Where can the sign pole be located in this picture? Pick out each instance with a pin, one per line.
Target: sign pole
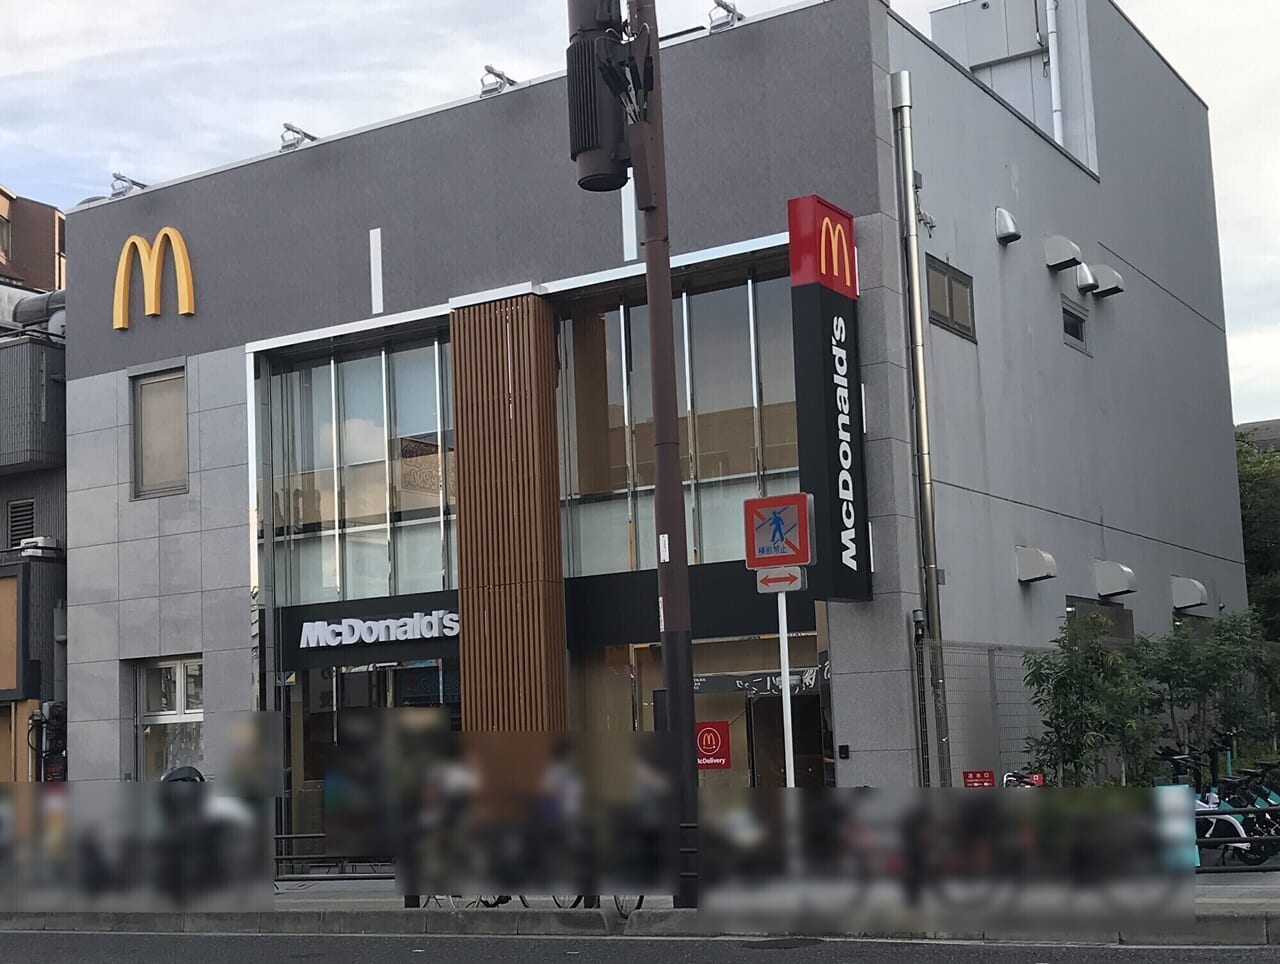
(784, 658)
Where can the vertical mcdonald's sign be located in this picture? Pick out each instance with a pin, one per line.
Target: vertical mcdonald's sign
(824, 310)
(150, 256)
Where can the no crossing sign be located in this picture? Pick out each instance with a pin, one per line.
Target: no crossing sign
(779, 530)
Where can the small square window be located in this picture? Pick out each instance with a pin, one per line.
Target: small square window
(950, 293)
(1073, 322)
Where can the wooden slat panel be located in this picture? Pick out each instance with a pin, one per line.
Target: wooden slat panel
(510, 575)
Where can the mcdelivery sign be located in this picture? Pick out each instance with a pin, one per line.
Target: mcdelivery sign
(824, 292)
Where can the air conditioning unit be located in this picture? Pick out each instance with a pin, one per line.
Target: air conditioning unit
(40, 546)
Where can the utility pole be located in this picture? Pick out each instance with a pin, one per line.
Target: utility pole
(615, 117)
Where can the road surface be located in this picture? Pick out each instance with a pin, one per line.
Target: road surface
(331, 949)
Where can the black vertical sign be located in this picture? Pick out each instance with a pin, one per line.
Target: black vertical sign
(824, 317)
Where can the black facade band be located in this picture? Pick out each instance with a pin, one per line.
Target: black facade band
(606, 610)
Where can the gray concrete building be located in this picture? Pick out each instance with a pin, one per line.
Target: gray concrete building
(33, 578)
(371, 425)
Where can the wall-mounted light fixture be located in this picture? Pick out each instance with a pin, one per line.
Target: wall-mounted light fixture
(724, 15)
(494, 81)
(293, 137)
(122, 185)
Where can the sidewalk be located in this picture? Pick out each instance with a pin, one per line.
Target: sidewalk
(1227, 914)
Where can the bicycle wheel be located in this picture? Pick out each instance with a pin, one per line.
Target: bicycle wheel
(626, 905)
(560, 901)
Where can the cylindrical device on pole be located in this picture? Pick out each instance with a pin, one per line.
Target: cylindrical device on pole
(597, 123)
(784, 659)
(900, 93)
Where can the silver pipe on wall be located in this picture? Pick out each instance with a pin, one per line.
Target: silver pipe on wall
(900, 91)
(1055, 72)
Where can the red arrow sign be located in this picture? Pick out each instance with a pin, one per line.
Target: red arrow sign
(774, 580)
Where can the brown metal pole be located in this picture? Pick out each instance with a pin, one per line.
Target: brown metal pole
(674, 622)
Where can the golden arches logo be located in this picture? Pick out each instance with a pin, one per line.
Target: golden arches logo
(834, 239)
(708, 740)
(151, 257)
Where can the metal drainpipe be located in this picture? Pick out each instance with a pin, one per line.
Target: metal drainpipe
(1055, 75)
(900, 86)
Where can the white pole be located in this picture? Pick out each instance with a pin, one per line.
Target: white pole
(1055, 75)
(784, 658)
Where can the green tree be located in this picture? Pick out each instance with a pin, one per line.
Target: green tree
(1259, 473)
(1207, 677)
(1092, 701)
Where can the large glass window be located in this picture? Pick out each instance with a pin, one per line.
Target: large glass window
(160, 433)
(599, 522)
(724, 418)
(738, 375)
(359, 500)
(777, 385)
(306, 504)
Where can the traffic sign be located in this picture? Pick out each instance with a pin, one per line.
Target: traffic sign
(781, 579)
(779, 530)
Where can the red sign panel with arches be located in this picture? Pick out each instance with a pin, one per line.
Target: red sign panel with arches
(713, 745)
(779, 530)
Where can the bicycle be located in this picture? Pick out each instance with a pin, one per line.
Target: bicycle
(1212, 820)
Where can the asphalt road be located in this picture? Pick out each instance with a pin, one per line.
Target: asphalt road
(164, 949)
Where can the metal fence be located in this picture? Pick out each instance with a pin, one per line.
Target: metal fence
(989, 709)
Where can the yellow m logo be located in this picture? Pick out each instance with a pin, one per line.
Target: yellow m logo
(834, 240)
(151, 257)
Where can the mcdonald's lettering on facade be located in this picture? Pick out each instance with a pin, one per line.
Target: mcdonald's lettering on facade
(824, 309)
(150, 255)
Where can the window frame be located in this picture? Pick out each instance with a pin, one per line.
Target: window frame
(182, 714)
(6, 238)
(1081, 344)
(953, 276)
(136, 382)
(143, 719)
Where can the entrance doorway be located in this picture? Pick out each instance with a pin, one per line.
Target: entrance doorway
(765, 742)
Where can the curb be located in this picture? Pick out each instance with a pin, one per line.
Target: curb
(1219, 929)
(478, 922)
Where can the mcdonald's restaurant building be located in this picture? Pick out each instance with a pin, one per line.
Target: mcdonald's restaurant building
(369, 422)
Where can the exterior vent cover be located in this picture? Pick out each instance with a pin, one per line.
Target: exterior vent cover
(22, 522)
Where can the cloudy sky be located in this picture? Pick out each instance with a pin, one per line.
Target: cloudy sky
(160, 88)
